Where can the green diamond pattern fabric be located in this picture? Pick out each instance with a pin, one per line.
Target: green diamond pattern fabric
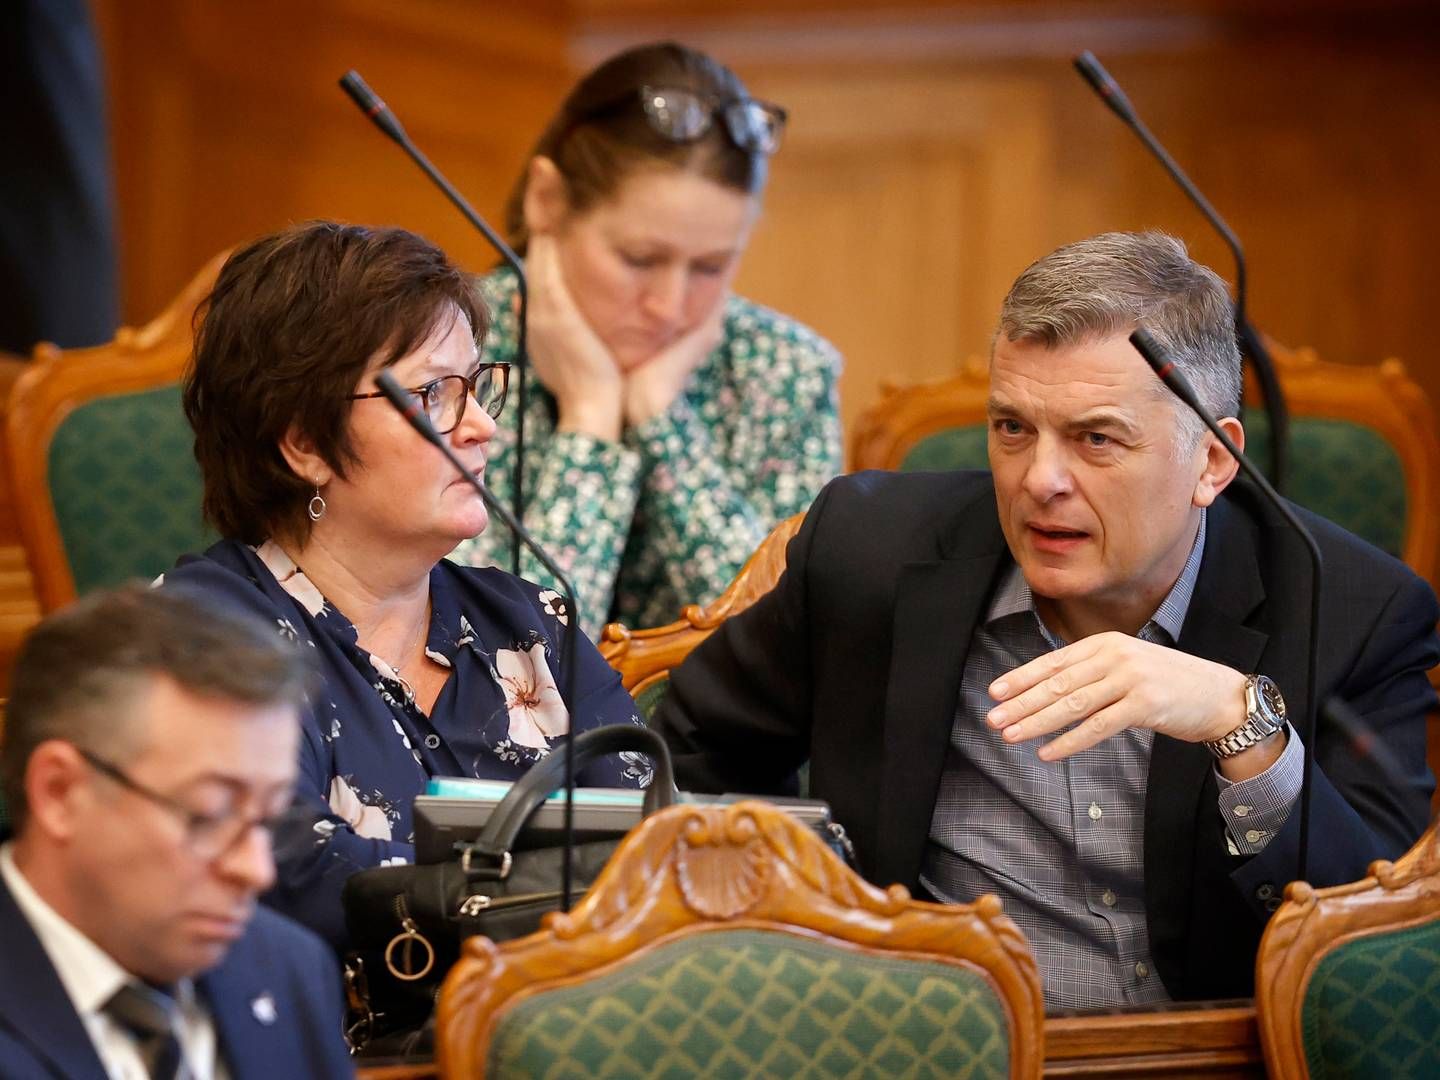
(751, 1003)
(953, 448)
(1372, 1008)
(1340, 470)
(1343, 472)
(126, 487)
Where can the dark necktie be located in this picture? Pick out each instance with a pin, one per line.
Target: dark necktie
(149, 1015)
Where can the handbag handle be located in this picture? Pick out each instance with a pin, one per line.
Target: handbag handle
(497, 839)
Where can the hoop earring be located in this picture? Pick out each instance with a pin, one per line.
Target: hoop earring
(316, 507)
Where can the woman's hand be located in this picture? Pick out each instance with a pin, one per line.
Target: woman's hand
(652, 387)
(567, 354)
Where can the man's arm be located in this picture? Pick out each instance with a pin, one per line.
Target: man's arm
(1360, 812)
(738, 711)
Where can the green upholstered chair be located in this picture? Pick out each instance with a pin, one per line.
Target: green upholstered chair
(1364, 450)
(1348, 978)
(730, 942)
(99, 456)
(644, 656)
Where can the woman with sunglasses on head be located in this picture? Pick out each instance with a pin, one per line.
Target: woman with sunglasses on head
(673, 425)
(336, 517)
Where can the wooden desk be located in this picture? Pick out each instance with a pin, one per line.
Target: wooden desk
(1219, 1039)
(1179, 1040)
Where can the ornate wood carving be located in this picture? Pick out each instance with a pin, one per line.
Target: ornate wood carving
(1313, 922)
(643, 656)
(692, 869)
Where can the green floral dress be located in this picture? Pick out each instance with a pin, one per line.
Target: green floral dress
(667, 516)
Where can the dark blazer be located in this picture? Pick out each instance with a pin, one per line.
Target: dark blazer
(41, 1035)
(854, 662)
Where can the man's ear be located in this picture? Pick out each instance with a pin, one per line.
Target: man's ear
(1219, 467)
(547, 196)
(53, 778)
(299, 452)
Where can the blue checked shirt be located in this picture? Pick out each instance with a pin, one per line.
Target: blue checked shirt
(1062, 842)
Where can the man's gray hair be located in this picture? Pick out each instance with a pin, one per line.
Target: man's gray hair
(1109, 284)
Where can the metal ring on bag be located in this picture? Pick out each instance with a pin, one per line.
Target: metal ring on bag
(409, 935)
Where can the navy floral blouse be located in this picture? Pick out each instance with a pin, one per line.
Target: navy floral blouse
(367, 750)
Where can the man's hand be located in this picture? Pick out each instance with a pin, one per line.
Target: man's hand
(1108, 682)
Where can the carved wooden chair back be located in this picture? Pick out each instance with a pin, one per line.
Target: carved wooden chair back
(1347, 981)
(1364, 448)
(99, 455)
(644, 657)
(731, 941)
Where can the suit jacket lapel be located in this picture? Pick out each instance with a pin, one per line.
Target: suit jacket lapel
(33, 1001)
(937, 605)
(239, 1004)
(1180, 784)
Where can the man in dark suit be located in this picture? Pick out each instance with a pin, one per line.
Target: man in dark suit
(1066, 681)
(148, 746)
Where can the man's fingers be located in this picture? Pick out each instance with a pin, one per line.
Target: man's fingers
(1078, 705)
(1069, 685)
(1105, 724)
(1043, 667)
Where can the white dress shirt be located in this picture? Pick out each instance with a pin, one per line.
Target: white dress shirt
(91, 978)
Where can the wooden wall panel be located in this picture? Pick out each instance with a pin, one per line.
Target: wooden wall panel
(227, 120)
(887, 211)
(1307, 131)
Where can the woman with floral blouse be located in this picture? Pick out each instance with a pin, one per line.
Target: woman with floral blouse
(337, 517)
(669, 425)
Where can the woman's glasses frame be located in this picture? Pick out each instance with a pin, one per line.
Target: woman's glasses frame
(432, 395)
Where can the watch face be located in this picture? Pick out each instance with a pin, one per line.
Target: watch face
(1271, 704)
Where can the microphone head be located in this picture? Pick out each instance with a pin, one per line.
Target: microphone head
(1109, 90)
(370, 104)
(1153, 352)
(406, 406)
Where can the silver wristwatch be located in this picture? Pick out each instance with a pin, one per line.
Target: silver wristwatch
(1264, 716)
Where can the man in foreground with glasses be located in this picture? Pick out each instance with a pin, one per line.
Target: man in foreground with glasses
(148, 748)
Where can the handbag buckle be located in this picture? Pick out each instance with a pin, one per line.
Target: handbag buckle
(506, 861)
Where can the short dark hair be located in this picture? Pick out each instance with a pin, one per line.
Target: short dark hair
(1108, 284)
(600, 134)
(294, 321)
(80, 667)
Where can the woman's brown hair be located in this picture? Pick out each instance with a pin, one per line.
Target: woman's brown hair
(600, 135)
(292, 325)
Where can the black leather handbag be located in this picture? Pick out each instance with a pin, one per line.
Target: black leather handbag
(406, 923)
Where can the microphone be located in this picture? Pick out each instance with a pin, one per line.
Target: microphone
(406, 405)
(1154, 353)
(370, 104)
(1251, 344)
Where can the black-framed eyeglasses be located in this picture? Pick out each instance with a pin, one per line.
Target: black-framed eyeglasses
(208, 835)
(682, 115)
(444, 399)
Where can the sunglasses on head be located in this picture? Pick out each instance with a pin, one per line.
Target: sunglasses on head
(682, 116)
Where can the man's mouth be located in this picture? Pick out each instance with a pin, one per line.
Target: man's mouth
(1056, 532)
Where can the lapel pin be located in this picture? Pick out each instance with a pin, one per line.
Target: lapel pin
(264, 1009)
